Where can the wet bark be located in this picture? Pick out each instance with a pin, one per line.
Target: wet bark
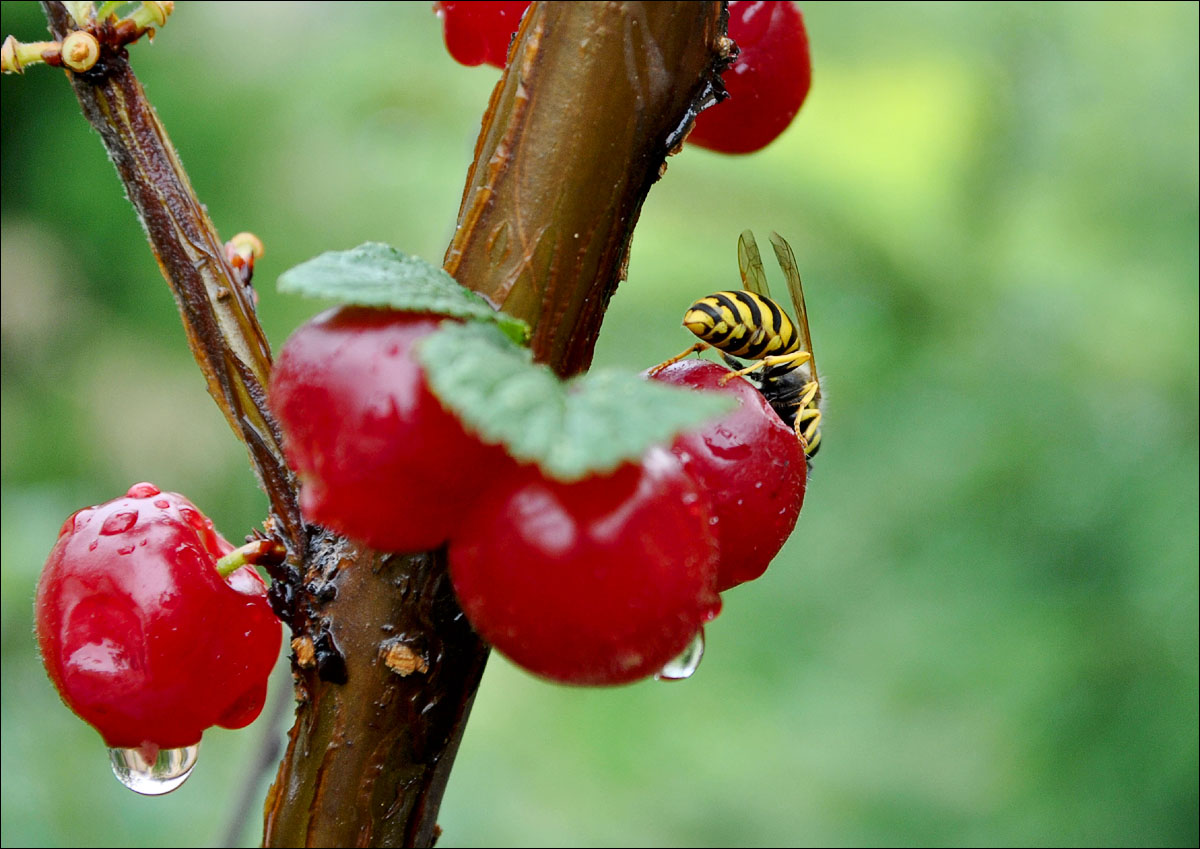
(577, 131)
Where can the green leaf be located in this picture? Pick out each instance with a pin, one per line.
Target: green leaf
(378, 275)
(570, 429)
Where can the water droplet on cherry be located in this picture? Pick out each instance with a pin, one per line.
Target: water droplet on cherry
(162, 503)
(194, 519)
(68, 525)
(152, 771)
(726, 444)
(684, 665)
(119, 523)
(143, 490)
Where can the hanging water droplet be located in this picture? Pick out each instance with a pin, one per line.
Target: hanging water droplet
(684, 665)
(152, 771)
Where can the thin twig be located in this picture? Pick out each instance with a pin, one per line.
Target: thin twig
(222, 329)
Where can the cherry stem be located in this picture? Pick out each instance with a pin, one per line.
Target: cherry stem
(261, 552)
(106, 10)
(151, 14)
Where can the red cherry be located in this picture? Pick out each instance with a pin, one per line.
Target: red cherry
(379, 458)
(480, 31)
(767, 83)
(749, 464)
(140, 633)
(602, 581)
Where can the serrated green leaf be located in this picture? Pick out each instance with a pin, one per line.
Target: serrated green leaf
(570, 429)
(378, 275)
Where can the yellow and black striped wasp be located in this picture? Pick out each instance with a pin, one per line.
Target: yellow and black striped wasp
(750, 325)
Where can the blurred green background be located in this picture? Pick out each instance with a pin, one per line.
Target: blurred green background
(984, 630)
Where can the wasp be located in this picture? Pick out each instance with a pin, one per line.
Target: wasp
(750, 325)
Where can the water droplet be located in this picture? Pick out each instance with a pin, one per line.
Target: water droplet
(194, 518)
(69, 525)
(152, 771)
(125, 549)
(94, 545)
(684, 665)
(726, 445)
(143, 490)
(119, 523)
(162, 503)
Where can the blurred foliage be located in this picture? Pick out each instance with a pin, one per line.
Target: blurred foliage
(984, 630)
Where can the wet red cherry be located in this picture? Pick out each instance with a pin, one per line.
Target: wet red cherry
(751, 467)
(379, 458)
(767, 83)
(142, 636)
(602, 581)
(481, 30)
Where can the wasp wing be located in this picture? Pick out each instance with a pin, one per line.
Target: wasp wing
(754, 276)
(787, 261)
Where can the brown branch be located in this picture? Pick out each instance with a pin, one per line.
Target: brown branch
(577, 131)
(222, 330)
(371, 750)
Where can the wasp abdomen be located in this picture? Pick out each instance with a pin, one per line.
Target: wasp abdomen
(742, 324)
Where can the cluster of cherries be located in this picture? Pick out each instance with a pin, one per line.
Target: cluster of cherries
(602, 580)
(153, 628)
(767, 83)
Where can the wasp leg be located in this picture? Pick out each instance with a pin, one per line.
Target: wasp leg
(807, 393)
(808, 430)
(699, 346)
(733, 362)
(797, 359)
(808, 420)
